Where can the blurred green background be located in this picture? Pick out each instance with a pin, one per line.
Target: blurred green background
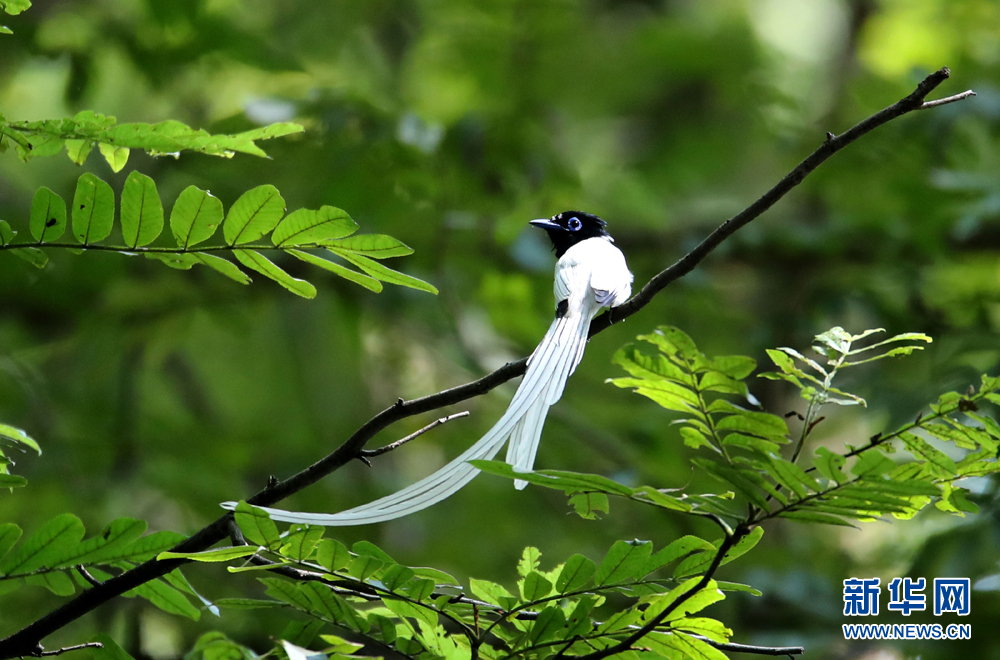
(449, 124)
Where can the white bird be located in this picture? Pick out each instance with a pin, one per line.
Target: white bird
(591, 274)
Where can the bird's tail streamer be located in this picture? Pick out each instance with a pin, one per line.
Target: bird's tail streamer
(550, 365)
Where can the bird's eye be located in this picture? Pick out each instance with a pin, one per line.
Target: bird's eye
(574, 224)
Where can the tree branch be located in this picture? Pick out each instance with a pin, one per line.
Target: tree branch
(27, 641)
(370, 453)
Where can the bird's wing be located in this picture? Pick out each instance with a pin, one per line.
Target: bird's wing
(611, 279)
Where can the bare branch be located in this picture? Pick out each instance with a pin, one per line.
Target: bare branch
(946, 100)
(369, 453)
(756, 650)
(26, 641)
(87, 576)
(66, 649)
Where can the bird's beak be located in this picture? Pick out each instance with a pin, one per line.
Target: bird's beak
(544, 224)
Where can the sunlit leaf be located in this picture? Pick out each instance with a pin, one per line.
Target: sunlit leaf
(93, 209)
(254, 214)
(195, 217)
(48, 216)
(308, 227)
(258, 262)
(141, 212)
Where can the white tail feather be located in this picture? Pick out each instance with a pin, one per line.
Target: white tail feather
(583, 290)
(550, 365)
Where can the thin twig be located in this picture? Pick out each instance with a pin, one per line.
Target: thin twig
(946, 100)
(87, 576)
(370, 453)
(26, 640)
(66, 649)
(750, 648)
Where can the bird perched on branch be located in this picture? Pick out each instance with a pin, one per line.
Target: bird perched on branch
(591, 274)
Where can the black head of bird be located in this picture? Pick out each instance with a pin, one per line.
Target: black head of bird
(568, 228)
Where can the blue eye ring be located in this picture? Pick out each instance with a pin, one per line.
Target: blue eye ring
(574, 224)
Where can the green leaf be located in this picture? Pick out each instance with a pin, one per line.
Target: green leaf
(257, 526)
(369, 283)
(254, 214)
(147, 547)
(701, 562)
(816, 517)
(15, 7)
(710, 628)
(258, 262)
(228, 553)
(6, 233)
(935, 458)
(220, 265)
(734, 366)
(492, 592)
(736, 586)
(78, 150)
(33, 256)
(117, 157)
(53, 539)
(301, 541)
(93, 209)
(141, 211)
(535, 586)
(308, 227)
(380, 272)
(167, 598)
(792, 477)
(549, 623)
(675, 550)
(396, 576)
(369, 549)
(438, 577)
(332, 555)
(530, 558)
(363, 567)
(195, 217)
(830, 465)
(12, 481)
(48, 216)
(624, 561)
(559, 479)
(107, 546)
(575, 573)
(376, 246)
(247, 604)
(57, 582)
(589, 505)
(18, 436)
(764, 425)
(696, 602)
(9, 534)
(747, 482)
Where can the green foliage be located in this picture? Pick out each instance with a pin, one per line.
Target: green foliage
(429, 615)
(861, 483)
(78, 135)
(11, 437)
(52, 556)
(194, 219)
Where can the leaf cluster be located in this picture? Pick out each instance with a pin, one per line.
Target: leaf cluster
(80, 133)
(58, 557)
(426, 613)
(742, 447)
(195, 218)
(12, 437)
